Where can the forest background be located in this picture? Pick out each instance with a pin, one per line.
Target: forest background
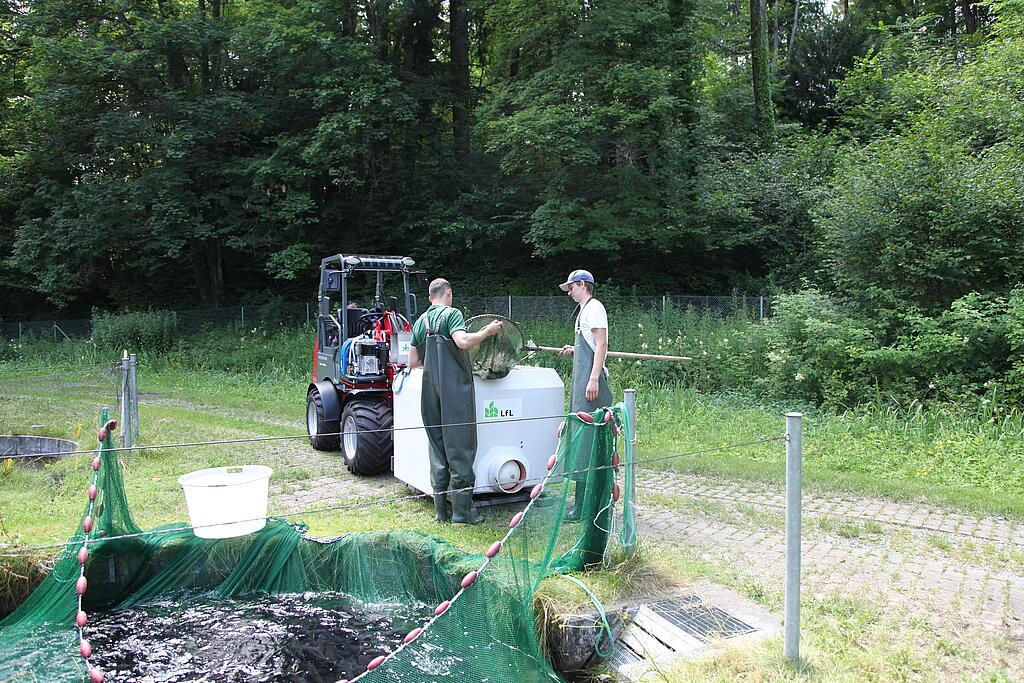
(863, 160)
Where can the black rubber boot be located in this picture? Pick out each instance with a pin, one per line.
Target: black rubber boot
(573, 514)
(463, 511)
(441, 507)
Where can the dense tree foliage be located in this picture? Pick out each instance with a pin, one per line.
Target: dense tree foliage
(203, 152)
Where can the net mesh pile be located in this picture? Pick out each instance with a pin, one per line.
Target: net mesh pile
(488, 633)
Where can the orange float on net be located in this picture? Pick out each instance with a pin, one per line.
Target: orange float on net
(442, 608)
(494, 549)
(375, 662)
(537, 490)
(585, 417)
(552, 460)
(413, 634)
(518, 517)
(96, 676)
(468, 579)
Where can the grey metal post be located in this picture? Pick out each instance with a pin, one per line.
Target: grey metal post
(307, 314)
(509, 306)
(19, 332)
(629, 398)
(762, 307)
(794, 447)
(243, 315)
(126, 402)
(133, 382)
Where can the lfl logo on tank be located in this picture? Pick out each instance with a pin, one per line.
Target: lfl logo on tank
(502, 408)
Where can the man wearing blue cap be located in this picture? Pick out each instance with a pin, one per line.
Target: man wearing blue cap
(590, 389)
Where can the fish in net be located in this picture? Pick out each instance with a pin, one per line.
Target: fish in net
(495, 356)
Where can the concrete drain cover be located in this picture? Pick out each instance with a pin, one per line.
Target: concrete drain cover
(703, 620)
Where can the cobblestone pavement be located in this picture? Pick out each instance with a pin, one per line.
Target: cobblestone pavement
(953, 569)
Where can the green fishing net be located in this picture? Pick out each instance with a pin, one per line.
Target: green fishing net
(488, 632)
(495, 356)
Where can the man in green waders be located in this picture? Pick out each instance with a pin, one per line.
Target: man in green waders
(448, 403)
(589, 376)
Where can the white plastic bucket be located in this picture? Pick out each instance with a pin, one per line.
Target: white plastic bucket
(227, 501)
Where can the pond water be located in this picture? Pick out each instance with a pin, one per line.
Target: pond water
(311, 637)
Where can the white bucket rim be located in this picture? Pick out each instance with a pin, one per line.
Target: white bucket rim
(257, 473)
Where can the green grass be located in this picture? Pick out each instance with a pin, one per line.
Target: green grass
(943, 454)
(226, 384)
(876, 450)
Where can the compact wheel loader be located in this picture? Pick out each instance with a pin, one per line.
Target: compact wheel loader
(357, 354)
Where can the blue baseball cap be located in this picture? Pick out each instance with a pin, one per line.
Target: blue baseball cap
(577, 276)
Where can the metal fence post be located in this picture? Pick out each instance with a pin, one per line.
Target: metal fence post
(307, 314)
(629, 398)
(126, 400)
(243, 315)
(19, 332)
(509, 306)
(762, 307)
(794, 447)
(133, 383)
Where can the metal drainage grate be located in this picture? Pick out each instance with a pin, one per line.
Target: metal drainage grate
(702, 621)
(623, 655)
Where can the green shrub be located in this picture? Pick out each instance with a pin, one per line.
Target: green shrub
(152, 331)
(817, 351)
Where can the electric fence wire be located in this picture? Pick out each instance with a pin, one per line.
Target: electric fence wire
(367, 502)
(257, 439)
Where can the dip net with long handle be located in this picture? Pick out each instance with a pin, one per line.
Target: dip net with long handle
(495, 356)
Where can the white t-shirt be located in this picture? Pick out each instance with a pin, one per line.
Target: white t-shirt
(592, 315)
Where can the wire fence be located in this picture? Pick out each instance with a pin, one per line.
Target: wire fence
(294, 314)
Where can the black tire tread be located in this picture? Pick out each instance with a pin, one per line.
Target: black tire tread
(376, 447)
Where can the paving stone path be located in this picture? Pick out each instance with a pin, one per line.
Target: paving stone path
(955, 570)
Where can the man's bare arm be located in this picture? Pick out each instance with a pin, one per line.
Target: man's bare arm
(467, 340)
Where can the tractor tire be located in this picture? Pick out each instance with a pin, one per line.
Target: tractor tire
(367, 441)
(323, 433)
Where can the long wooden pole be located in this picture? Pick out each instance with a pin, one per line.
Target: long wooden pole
(620, 354)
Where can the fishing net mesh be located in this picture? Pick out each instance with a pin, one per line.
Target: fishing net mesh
(495, 356)
(487, 634)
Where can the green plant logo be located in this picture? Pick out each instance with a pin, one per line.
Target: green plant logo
(490, 411)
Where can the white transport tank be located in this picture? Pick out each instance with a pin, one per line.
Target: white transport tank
(509, 454)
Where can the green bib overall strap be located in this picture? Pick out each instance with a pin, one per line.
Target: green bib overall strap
(448, 406)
